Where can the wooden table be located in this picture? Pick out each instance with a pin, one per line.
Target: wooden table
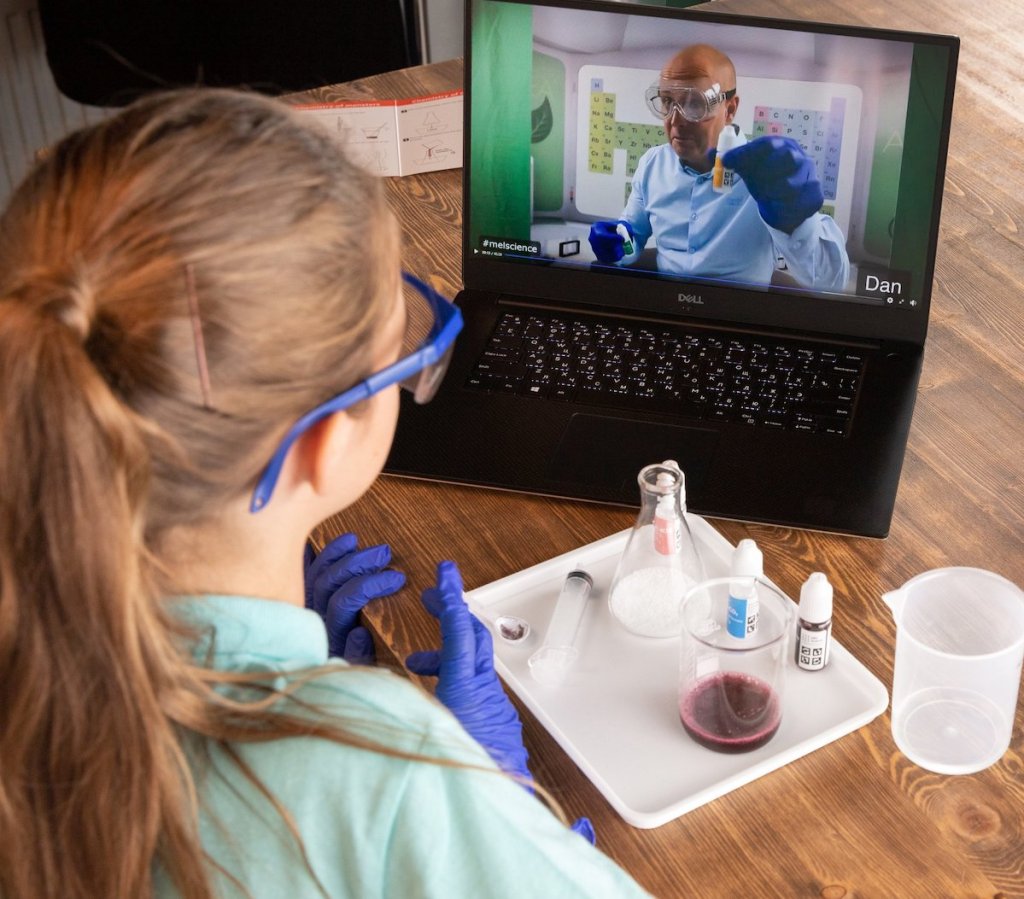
(855, 818)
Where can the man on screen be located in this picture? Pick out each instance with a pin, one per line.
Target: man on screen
(772, 210)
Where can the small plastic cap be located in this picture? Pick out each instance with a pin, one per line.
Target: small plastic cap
(747, 560)
(512, 629)
(665, 479)
(549, 664)
(816, 599)
(729, 138)
(578, 574)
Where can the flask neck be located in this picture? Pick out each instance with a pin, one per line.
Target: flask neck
(662, 502)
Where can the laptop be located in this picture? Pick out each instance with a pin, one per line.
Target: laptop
(780, 372)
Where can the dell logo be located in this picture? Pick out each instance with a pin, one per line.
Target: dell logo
(692, 298)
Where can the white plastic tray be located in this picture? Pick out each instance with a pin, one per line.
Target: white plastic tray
(616, 714)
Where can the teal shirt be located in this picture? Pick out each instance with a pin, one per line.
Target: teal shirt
(372, 824)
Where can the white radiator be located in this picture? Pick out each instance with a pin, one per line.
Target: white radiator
(33, 113)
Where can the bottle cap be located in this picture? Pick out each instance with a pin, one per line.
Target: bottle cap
(747, 560)
(671, 463)
(729, 138)
(816, 599)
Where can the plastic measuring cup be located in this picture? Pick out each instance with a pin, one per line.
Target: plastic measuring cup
(959, 651)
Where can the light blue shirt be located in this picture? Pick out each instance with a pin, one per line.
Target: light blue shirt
(705, 234)
(372, 825)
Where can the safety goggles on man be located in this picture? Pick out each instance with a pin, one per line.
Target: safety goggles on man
(692, 103)
(432, 322)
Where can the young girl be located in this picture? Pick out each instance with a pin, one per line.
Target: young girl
(179, 286)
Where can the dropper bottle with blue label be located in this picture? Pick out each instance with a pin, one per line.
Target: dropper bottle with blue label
(746, 565)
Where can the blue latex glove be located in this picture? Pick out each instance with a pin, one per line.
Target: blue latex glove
(780, 177)
(607, 243)
(466, 681)
(339, 582)
(585, 829)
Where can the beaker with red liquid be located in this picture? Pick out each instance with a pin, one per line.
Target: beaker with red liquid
(731, 688)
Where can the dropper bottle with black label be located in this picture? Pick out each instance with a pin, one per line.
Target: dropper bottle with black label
(814, 625)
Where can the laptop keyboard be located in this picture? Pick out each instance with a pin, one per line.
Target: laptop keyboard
(747, 379)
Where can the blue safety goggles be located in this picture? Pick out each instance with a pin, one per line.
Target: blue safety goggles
(419, 371)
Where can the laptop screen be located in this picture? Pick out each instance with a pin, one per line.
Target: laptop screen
(596, 163)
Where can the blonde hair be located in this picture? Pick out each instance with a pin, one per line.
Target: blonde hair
(111, 439)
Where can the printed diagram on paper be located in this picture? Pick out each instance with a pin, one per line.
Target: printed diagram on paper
(398, 137)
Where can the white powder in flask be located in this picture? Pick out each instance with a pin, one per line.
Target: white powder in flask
(647, 601)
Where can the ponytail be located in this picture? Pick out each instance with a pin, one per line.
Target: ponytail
(77, 752)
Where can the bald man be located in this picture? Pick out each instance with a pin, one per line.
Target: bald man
(772, 210)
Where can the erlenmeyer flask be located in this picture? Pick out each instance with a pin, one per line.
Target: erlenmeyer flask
(660, 562)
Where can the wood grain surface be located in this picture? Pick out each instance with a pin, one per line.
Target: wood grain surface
(855, 818)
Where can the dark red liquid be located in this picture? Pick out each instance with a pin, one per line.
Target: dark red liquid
(731, 712)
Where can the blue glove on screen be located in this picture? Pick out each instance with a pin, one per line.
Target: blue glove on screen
(606, 242)
(780, 177)
(466, 681)
(339, 582)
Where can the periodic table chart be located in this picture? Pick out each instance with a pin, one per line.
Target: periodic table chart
(617, 128)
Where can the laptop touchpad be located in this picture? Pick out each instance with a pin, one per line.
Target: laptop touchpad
(609, 452)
